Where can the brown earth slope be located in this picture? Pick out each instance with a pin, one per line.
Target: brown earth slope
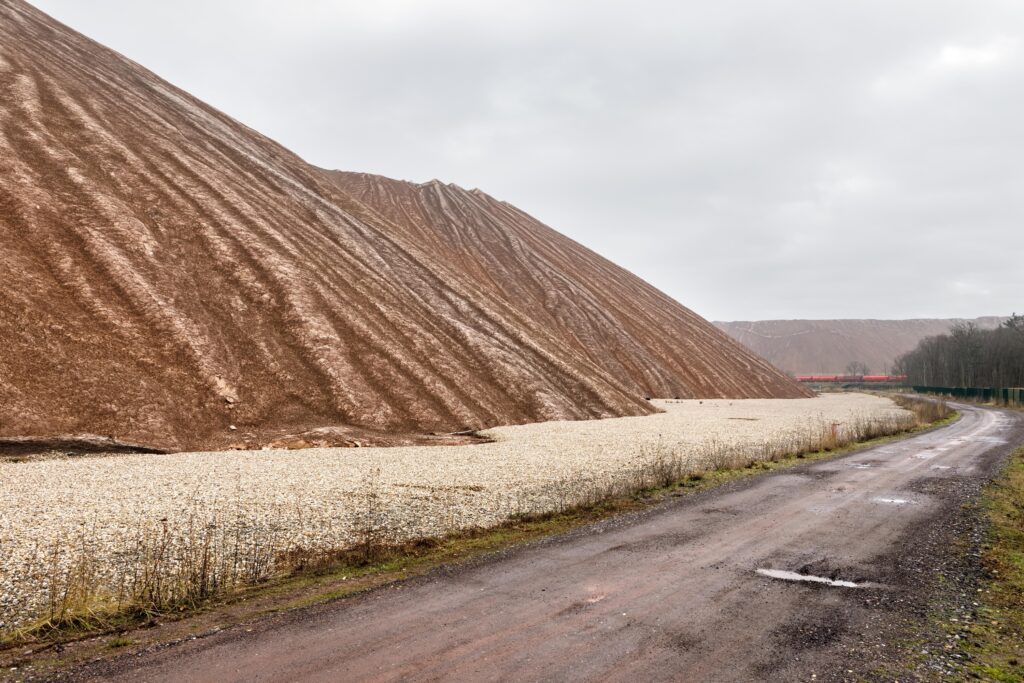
(169, 274)
(828, 346)
(600, 311)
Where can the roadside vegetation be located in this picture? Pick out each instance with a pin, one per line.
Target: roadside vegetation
(995, 640)
(926, 411)
(176, 569)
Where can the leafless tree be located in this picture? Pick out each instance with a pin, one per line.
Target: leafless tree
(857, 368)
(969, 357)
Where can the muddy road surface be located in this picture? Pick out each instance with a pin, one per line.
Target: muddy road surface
(809, 572)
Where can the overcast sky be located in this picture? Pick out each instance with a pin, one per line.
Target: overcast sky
(783, 159)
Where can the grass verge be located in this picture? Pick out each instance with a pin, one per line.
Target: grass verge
(360, 569)
(995, 643)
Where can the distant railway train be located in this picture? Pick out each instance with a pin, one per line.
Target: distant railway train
(852, 378)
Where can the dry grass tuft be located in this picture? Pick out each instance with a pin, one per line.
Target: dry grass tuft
(926, 410)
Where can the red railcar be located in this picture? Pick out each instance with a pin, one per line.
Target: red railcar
(852, 378)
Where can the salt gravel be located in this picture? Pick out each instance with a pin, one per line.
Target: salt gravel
(316, 498)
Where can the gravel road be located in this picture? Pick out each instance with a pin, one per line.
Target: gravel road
(55, 511)
(693, 590)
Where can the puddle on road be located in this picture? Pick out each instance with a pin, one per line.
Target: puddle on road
(941, 467)
(784, 575)
(860, 465)
(893, 501)
(924, 456)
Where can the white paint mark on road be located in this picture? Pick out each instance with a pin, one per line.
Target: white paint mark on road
(793, 576)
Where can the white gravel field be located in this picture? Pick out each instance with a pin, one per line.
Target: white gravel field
(55, 512)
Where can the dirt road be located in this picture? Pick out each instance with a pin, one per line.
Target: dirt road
(683, 592)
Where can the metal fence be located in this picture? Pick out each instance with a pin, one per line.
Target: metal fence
(1001, 395)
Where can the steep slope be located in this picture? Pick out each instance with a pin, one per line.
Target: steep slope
(828, 346)
(175, 279)
(646, 340)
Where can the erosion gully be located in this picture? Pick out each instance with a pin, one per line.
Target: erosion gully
(807, 573)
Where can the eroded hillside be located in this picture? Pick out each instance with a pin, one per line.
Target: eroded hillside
(175, 279)
(829, 346)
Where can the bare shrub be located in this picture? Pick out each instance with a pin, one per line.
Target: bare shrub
(926, 410)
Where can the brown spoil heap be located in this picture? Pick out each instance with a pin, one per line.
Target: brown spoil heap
(175, 280)
(828, 347)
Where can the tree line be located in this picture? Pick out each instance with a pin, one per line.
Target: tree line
(969, 357)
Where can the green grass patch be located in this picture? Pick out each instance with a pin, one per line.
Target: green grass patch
(996, 642)
(118, 643)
